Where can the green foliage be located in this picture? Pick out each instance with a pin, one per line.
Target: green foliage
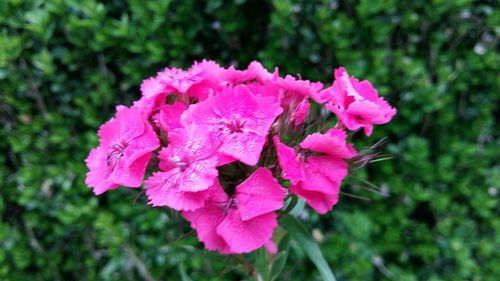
(65, 64)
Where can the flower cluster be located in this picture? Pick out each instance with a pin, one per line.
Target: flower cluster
(222, 143)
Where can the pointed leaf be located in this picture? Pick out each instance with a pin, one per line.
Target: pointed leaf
(305, 240)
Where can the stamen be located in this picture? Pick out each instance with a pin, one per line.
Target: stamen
(116, 152)
(230, 204)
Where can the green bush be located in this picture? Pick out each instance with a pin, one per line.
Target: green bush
(65, 64)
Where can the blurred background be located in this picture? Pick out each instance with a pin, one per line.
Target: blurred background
(65, 64)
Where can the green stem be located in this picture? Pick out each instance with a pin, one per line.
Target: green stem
(293, 202)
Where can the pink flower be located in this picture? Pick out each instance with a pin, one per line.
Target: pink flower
(178, 80)
(299, 114)
(296, 89)
(149, 105)
(316, 179)
(170, 80)
(211, 83)
(259, 73)
(355, 103)
(169, 116)
(187, 170)
(126, 144)
(237, 120)
(152, 87)
(332, 143)
(243, 222)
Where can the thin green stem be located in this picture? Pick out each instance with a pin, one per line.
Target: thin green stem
(291, 205)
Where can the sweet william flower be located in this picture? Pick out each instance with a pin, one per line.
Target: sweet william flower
(125, 147)
(316, 178)
(208, 117)
(243, 222)
(296, 89)
(152, 87)
(178, 80)
(187, 167)
(237, 120)
(356, 104)
(334, 143)
(170, 80)
(169, 116)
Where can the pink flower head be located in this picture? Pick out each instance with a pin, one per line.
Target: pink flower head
(187, 170)
(125, 147)
(316, 179)
(237, 120)
(177, 80)
(355, 103)
(169, 116)
(243, 222)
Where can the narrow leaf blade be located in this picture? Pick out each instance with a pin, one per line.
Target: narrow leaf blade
(305, 240)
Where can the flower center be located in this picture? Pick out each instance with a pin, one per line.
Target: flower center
(116, 152)
(179, 163)
(235, 125)
(230, 204)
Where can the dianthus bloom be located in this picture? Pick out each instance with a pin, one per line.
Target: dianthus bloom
(243, 222)
(187, 167)
(316, 178)
(219, 145)
(126, 145)
(236, 119)
(355, 103)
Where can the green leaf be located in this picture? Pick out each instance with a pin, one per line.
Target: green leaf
(305, 240)
(299, 207)
(278, 264)
(182, 271)
(262, 264)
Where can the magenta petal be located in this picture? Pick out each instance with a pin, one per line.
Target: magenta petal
(320, 189)
(259, 194)
(151, 87)
(290, 165)
(169, 116)
(332, 143)
(130, 174)
(321, 202)
(300, 112)
(225, 159)
(271, 247)
(141, 146)
(160, 193)
(246, 236)
(245, 147)
(205, 221)
(179, 80)
(109, 132)
(324, 173)
(98, 173)
(132, 122)
(191, 153)
(200, 175)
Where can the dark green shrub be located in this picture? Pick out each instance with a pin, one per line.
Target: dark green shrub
(65, 64)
